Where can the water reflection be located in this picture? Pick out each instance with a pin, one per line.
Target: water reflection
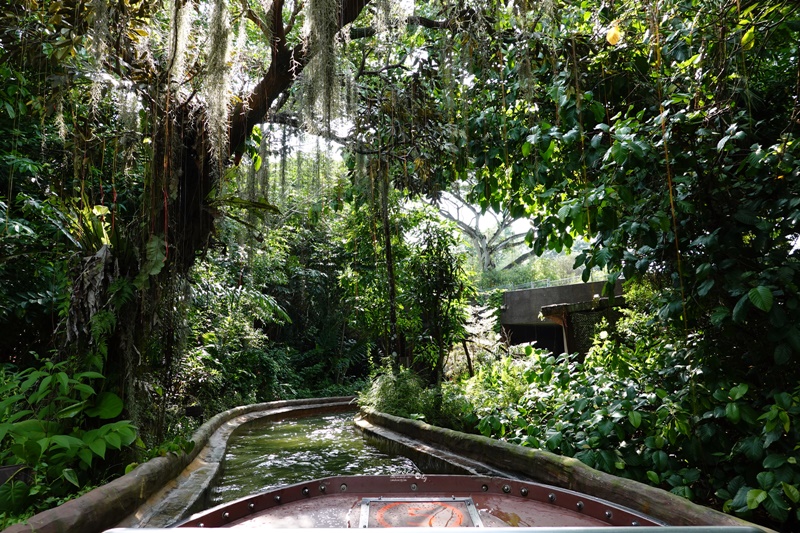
(263, 455)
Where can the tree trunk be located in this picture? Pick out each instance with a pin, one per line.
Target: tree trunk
(393, 344)
(469, 359)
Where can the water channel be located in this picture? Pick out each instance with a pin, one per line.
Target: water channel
(266, 454)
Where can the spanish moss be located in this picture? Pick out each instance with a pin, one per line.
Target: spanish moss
(216, 89)
(180, 23)
(322, 26)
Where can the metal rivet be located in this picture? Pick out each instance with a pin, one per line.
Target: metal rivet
(226, 515)
(414, 487)
(506, 489)
(609, 514)
(278, 499)
(322, 488)
(523, 491)
(551, 497)
(343, 488)
(201, 525)
(485, 488)
(305, 491)
(634, 523)
(579, 505)
(251, 506)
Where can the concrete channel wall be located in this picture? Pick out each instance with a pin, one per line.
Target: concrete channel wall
(475, 454)
(165, 489)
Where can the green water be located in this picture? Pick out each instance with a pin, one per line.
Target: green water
(263, 455)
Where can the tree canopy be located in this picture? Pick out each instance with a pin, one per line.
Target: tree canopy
(146, 194)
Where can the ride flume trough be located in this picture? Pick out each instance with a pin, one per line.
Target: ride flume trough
(488, 483)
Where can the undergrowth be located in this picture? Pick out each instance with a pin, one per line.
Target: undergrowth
(646, 404)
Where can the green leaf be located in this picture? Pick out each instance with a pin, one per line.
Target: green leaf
(635, 418)
(741, 308)
(793, 338)
(704, 287)
(13, 496)
(776, 506)
(732, 412)
(791, 492)
(67, 441)
(70, 475)
(554, 441)
(85, 455)
(10, 110)
(29, 429)
(783, 400)
(755, 497)
(156, 253)
(126, 431)
(774, 460)
(108, 405)
(740, 500)
(6, 403)
(784, 417)
(751, 447)
(783, 354)
(653, 477)
(738, 391)
(766, 480)
(113, 440)
(661, 461)
(761, 297)
(606, 427)
(89, 375)
(28, 451)
(749, 38)
(98, 446)
(683, 491)
(63, 383)
(719, 315)
(73, 410)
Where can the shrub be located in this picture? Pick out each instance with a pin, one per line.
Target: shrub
(654, 405)
(56, 425)
(402, 393)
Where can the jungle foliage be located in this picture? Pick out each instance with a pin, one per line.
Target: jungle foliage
(647, 403)
(165, 249)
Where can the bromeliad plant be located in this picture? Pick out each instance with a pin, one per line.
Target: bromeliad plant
(55, 423)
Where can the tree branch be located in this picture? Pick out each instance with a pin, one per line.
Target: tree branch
(293, 18)
(465, 16)
(284, 68)
(473, 233)
(519, 260)
(255, 19)
(508, 242)
(362, 72)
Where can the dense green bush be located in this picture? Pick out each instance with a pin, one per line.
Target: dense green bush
(57, 425)
(403, 393)
(651, 405)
